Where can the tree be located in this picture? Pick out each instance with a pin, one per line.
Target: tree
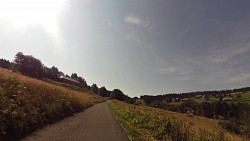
(54, 70)
(52, 73)
(5, 64)
(74, 76)
(28, 65)
(82, 82)
(79, 79)
(94, 88)
(103, 91)
(19, 60)
(117, 94)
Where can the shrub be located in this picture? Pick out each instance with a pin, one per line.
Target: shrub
(232, 125)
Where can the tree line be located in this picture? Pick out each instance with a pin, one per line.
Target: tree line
(219, 109)
(168, 97)
(30, 66)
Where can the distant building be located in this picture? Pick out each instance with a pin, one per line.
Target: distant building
(68, 80)
(185, 99)
(236, 93)
(227, 98)
(175, 100)
(198, 96)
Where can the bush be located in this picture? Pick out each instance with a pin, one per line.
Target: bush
(232, 125)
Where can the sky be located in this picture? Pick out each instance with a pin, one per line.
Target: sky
(139, 46)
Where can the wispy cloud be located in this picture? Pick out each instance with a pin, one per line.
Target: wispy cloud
(142, 43)
(228, 55)
(135, 20)
(226, 65)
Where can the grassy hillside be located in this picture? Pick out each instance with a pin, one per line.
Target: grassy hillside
(245, 98)
(242, 97)
(27, 104)
(146, 123)
(76, 88)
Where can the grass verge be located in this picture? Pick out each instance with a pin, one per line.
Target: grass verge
(142, 124)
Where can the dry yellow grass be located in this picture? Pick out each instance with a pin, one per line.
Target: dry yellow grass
(209, 124)
(197, 122)
(84, 96)
(27, 104)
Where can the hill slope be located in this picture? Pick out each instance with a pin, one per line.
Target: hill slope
(27, 104)
(146, 123)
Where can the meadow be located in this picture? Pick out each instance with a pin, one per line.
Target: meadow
(244, 97)
(27, 104)
(146, 123)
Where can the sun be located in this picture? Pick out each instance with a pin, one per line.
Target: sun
(22, 13)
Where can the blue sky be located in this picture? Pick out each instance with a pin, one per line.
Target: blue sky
(139, 46)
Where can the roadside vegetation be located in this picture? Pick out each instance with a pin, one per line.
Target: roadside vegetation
(27, 104)
(230, 107)
(145, 123)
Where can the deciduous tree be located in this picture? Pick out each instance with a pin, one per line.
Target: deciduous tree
(103, 91)
(94, 88)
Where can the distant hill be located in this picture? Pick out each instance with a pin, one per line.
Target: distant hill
(150, 98)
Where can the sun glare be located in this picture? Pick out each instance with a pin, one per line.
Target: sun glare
(22, 13)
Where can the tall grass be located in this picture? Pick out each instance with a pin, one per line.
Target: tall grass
(28, 104)
(148, 125)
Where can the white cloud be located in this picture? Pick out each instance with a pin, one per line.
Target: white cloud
(135, 20)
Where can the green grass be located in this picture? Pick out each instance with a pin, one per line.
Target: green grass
(199, 100)
(76, 88)
(141, 123)
(27, 104)
(245, 98)
(211, 99)
(175, 103)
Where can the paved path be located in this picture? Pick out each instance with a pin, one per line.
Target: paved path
(94, 124)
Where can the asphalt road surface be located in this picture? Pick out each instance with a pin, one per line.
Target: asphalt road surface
(94, 124)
